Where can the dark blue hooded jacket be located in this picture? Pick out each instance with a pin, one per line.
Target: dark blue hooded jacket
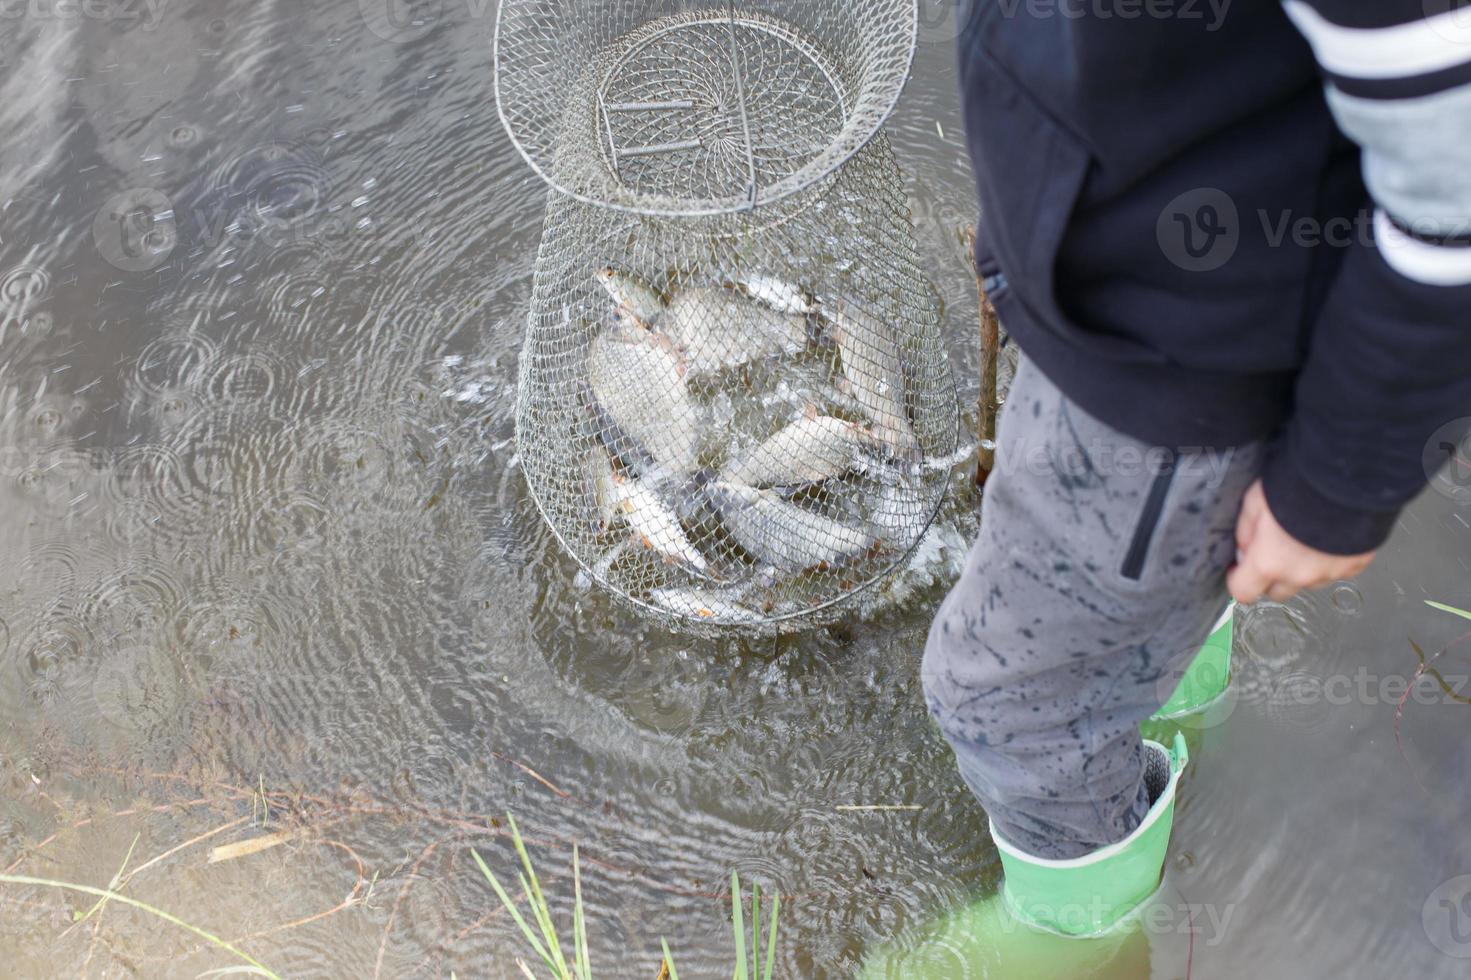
(1217, 221)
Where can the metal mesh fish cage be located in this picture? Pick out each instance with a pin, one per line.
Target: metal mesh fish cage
(743, 420)
(664, 107)
(734, 409)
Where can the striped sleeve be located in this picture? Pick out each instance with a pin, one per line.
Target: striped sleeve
(1399, 84)
(1389, 367)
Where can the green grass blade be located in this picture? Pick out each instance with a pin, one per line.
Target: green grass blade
(541, 933)
(579, 920)
(738, 914)
(1450, 609)
(124, 899)
(543, 916)
(539, 903)
(510, 907)
(771, 937)
(111, 885)
(755, 926)
(539, 912)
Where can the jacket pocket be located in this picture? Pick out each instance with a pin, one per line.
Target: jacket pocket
(1030, 175)
(1149, 520)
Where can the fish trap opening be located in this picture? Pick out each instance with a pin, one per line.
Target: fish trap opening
(655, 108)
(716, 107)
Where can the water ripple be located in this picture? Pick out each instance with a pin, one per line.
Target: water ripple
(172, 362)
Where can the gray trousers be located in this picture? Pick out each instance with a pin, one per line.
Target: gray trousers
(1099, 572)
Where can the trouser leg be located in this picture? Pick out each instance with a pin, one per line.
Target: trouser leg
(1099, 569)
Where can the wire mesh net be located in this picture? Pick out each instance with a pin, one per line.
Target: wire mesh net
(741, 420)
(662, 107)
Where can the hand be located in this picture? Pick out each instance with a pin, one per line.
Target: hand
(1272, 563)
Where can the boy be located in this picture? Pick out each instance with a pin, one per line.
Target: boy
(1234, 253)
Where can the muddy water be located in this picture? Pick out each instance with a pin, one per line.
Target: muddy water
(271, 570)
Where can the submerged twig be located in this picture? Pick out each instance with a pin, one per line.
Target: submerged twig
(533, 774)
(398, 900)
(989, 407)
(88, 821)
(200, 838)
(354, 897)
(1425, 666)
(245, 848)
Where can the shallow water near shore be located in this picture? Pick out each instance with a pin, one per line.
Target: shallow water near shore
(271, 569)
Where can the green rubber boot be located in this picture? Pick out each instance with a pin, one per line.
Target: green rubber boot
(1054, 919)
(1206, 680)
(1090, 895)
(984, 941)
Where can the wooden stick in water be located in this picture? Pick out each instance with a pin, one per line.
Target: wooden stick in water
(990, 354)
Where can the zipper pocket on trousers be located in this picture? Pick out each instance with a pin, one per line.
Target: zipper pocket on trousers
(1154, 508)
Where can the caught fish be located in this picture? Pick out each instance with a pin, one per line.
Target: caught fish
(784, 535)
(703, 604)
(639, 381)
(718, 329)
(602, 482)
(632, 294)
(779, 295)
(900, 510)
(655, 525)
(810, 450)
(603, 567)
(874, 375)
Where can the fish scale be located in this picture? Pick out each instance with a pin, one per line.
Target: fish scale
(640, 384)
(785, 535)
(809, 450)
(719, 330)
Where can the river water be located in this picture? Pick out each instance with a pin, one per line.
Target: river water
(271, 569)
